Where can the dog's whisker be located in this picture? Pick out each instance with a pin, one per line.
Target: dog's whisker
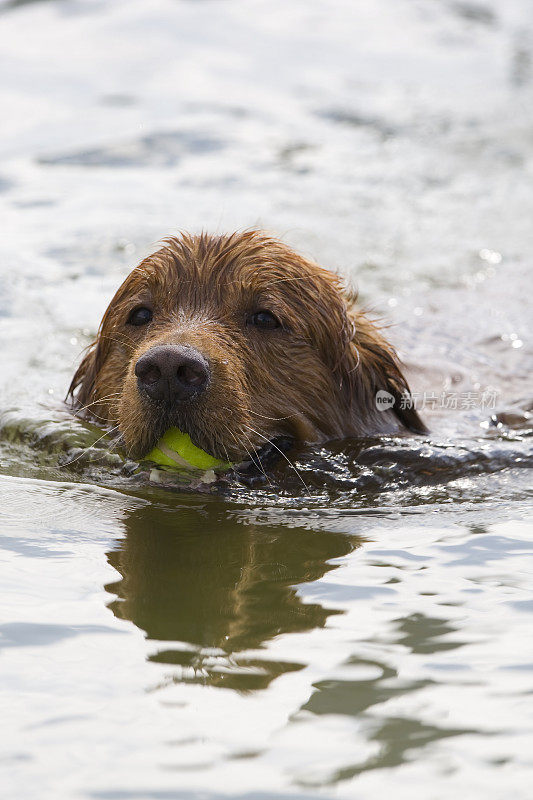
(85, 449)
(107, 400)
(272, 419)
(223, 445)
(129, 345)
(228, 459)
(112, 448)
(235, 440)
(263, 416)
(287, 459)
(253, 453)
(250, 451)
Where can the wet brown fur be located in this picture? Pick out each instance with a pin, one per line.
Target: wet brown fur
(313, 379)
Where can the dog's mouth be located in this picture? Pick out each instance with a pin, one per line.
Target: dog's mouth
(250, 458)
(254, 468)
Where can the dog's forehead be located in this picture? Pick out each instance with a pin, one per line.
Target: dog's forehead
(232, 274)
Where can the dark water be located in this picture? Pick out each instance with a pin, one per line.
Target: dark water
(358, 622)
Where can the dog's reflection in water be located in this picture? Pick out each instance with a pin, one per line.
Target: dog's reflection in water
(217, 587)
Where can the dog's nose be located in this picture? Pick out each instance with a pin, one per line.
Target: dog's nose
(172, 373)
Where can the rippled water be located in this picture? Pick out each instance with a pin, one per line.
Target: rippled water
(357, 625)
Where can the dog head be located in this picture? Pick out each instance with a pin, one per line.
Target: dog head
(236, 340)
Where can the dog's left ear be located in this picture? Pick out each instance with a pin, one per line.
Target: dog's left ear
(369, 365)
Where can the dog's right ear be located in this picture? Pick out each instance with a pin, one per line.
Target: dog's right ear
(81, 389)
(86, 387)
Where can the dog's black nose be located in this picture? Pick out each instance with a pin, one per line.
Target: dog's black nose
(172, 373)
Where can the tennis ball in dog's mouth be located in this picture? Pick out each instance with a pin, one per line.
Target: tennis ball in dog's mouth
(175, 449)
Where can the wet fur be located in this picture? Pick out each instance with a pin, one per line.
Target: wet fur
(313, 379)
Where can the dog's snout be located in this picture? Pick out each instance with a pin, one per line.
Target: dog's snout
(172, 373)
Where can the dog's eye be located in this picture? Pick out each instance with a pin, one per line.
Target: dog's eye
(263, 319)
(140, 316)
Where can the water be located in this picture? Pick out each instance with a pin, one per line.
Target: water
(365, 621)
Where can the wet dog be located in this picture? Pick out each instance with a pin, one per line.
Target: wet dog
(239, 341)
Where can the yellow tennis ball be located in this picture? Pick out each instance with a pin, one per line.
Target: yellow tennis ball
(175, 449)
